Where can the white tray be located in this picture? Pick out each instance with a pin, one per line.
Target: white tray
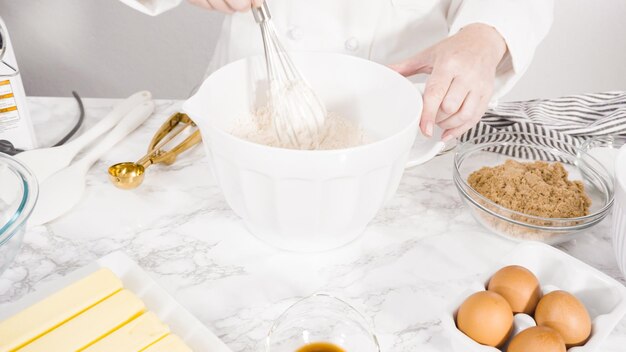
(604, 297)
(180, 321)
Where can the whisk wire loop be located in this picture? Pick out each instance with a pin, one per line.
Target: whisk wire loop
(297, 112)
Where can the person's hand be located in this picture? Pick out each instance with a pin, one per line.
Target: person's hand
(462, 72)
(227, 6)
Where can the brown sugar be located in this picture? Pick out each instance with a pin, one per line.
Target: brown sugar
(535, 188)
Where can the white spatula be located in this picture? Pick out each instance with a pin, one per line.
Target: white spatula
(63, 190)
(46, 161)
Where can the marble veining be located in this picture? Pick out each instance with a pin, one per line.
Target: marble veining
(420, 251)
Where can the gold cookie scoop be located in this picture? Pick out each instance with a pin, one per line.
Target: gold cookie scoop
(129, 175)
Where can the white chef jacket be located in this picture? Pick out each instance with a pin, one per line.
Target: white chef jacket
(385, 31)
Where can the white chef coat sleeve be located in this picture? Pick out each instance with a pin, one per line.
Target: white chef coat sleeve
(522, 23)
(152, 7)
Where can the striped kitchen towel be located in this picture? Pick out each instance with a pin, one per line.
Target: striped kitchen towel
(566, 121)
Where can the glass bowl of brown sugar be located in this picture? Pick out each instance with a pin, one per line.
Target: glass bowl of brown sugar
(525, 186)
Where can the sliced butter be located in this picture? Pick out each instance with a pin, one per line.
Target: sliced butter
(170, 343)
(132, 337)
(56, 309)
(90, 326)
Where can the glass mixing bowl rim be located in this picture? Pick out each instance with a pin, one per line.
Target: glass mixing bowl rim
(323, 295)
(27, 201)
(620, 172)
(463, 150)
(585, 145)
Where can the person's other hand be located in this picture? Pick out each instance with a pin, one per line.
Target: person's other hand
(227, 6)
(462, 72)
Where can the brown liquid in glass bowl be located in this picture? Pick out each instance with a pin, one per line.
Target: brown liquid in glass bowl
(320, 347)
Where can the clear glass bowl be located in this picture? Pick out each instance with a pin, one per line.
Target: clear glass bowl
(618, 228)
(489, 150)
(18, 195)
(609, 141)
(604, 149)
(321, 318)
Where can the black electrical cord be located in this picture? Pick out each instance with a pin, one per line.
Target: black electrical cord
(81, 118)
(8, 148)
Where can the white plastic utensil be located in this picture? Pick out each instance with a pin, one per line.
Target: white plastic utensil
(63, 190)
(46, 161)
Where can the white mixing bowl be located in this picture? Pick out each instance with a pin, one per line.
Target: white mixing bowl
(311, 200)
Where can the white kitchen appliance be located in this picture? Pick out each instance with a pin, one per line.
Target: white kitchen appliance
(15, 123)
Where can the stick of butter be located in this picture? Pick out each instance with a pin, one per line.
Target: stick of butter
(90, 326)
(132, 337)
(56, 309)
(170, 343)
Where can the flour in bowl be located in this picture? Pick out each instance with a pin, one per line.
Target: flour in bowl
(336, 133)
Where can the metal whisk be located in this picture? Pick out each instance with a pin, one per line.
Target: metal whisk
(297, 112)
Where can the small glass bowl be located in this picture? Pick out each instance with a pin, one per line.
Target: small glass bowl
(609, 141)
(604, 149)
(490, 150)
(321, 318)
(18, 195)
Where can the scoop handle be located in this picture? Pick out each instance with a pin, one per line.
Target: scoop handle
(129, 123)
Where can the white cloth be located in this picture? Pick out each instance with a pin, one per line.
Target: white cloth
(385, 31)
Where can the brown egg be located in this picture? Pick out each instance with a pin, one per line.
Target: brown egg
(537, 339)
(518, 286)
(486, 318)
(564, 313)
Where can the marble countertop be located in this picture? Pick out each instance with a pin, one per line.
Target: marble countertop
(420, 251)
